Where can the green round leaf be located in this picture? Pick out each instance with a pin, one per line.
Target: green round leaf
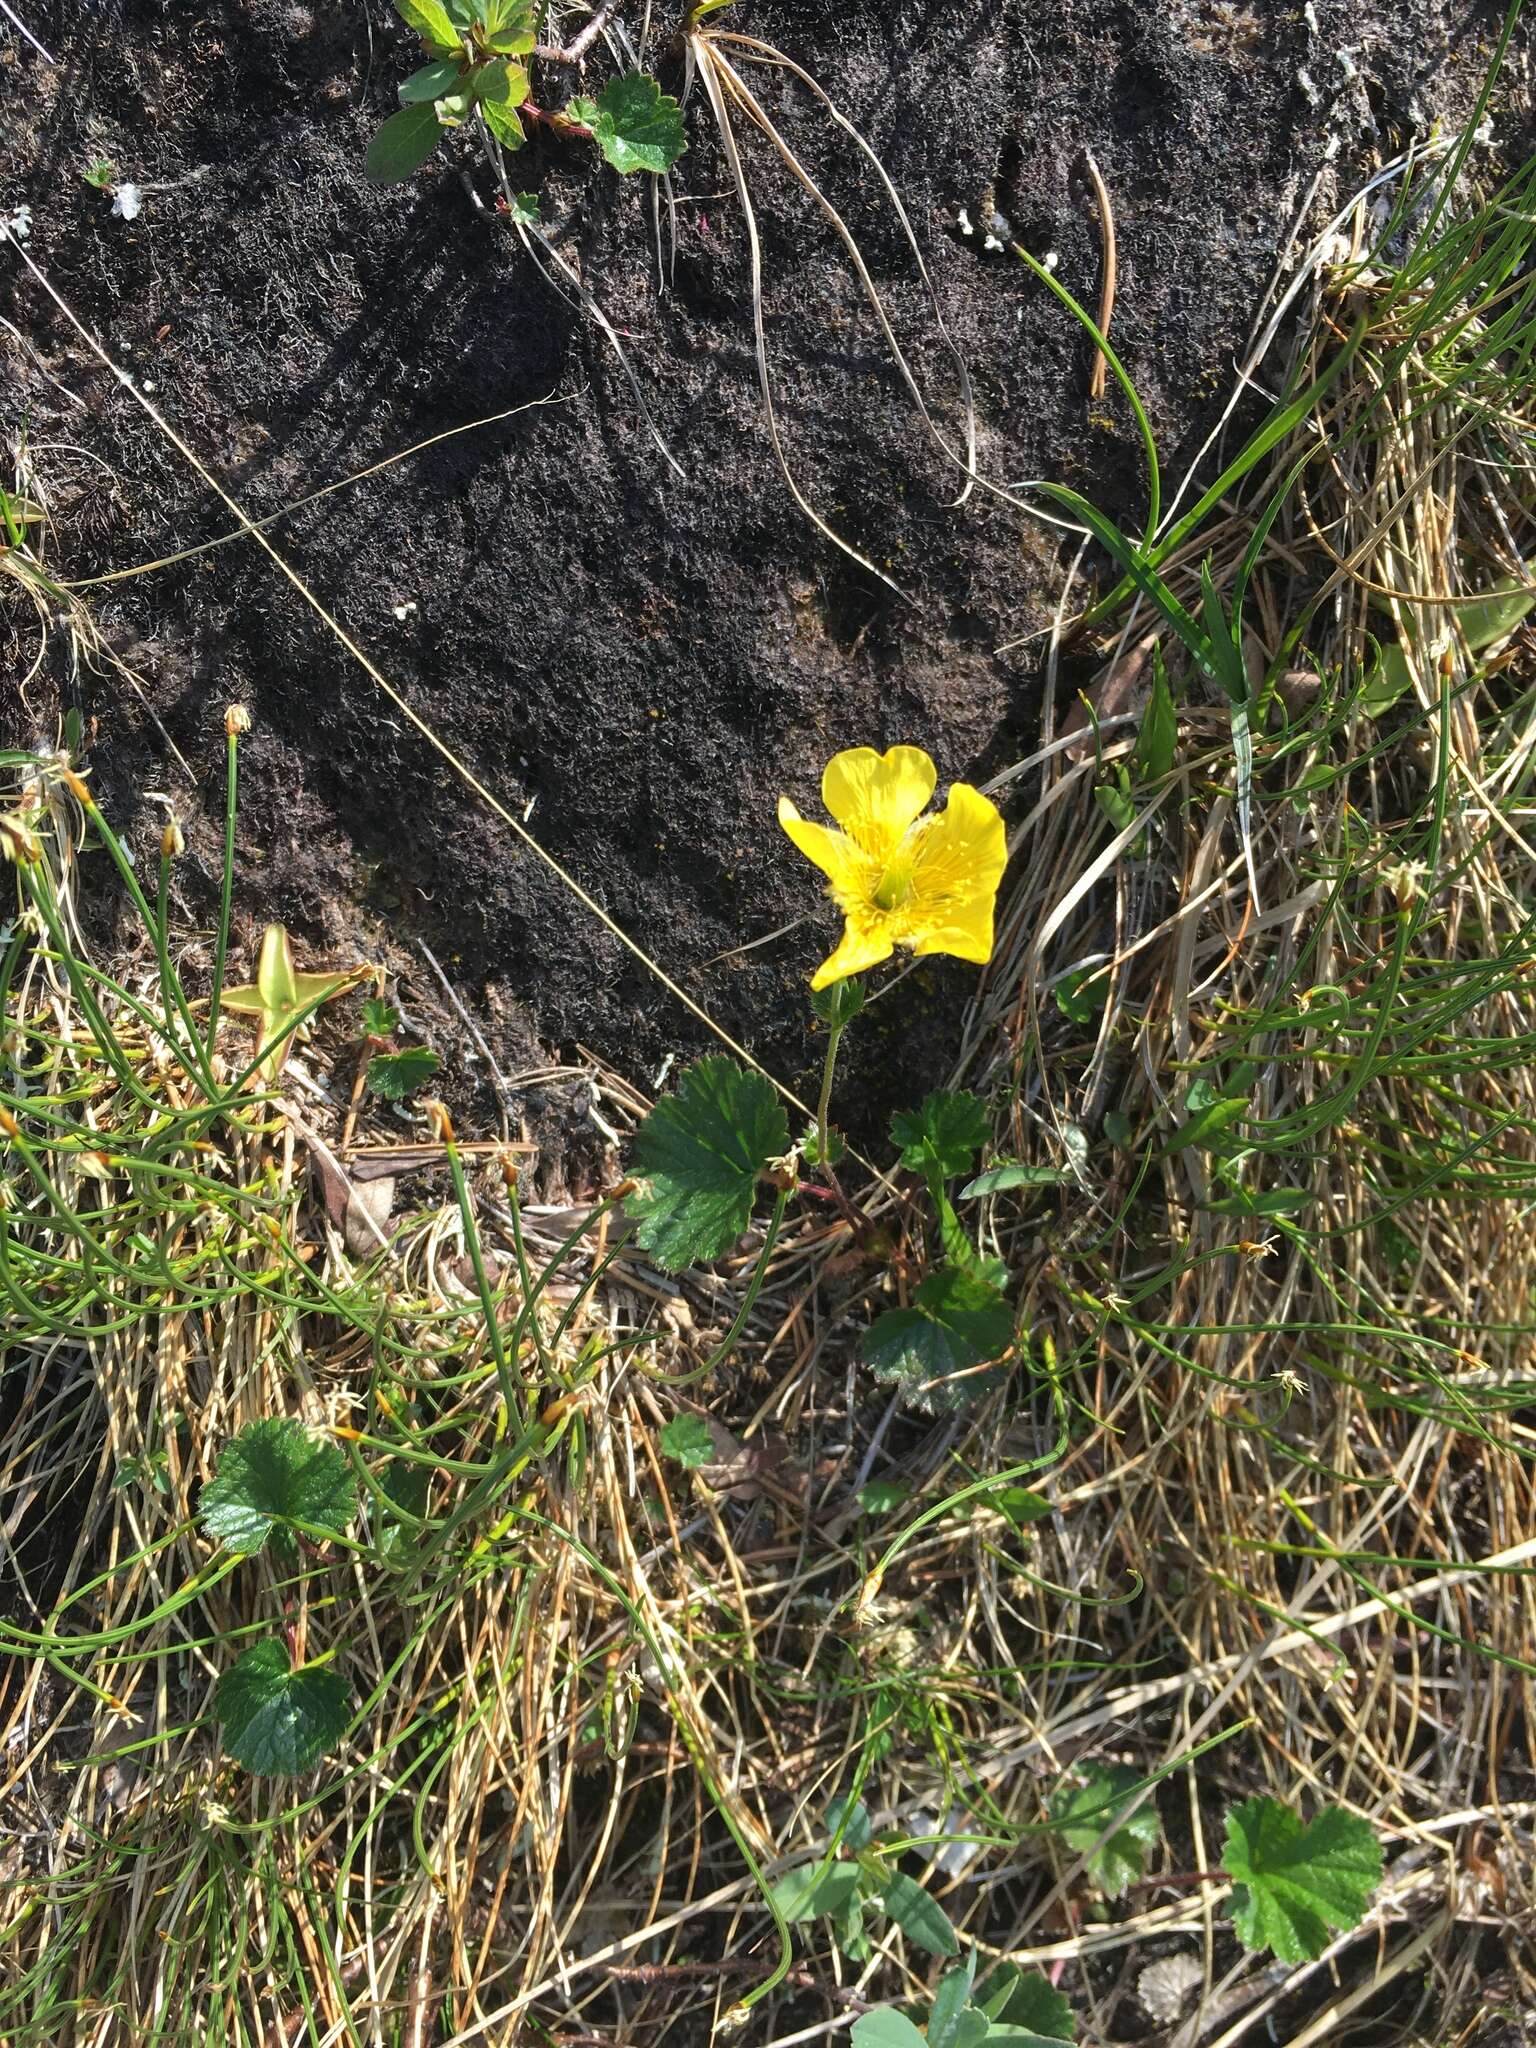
(501, 84)
(403, 144)
(687, 1438)
(1024, 2009)
(957, 1321)
(879, 1496)
(1294, 1884)
(815, 1890)
(700, 1152)
(278, 1721)
(1084, 1808)
(275, 1476)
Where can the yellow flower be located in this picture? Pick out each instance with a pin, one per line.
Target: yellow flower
(899, 878)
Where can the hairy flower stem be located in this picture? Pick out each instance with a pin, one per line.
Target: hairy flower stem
(824, 1100)
(227, 887)
(853, 1215)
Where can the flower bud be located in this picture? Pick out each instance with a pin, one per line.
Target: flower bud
(18, 841)
(236, 721)
(172, 842)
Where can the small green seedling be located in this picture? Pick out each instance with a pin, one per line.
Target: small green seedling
(942, 1348)
(474, 50)
(846, 1887)
(1088, 1815)
(1292, 1886)
(687, 1439)
(101, 173)
(277, 1483)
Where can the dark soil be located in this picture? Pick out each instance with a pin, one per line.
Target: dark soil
(645, 663)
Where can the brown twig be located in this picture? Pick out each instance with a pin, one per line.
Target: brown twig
(1097, 382)
(576, 50)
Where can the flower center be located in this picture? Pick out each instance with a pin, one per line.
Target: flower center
(895, 885)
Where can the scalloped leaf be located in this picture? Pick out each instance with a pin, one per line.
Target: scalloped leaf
(944, 1136)
(1025, 2009)
(700, 1152)
(687, 1439)
(634, 123)
(279, 1721)
(395, 1075)
(1293, 1885)
(380, 1019)
(957, 1321)
(1084, 1806)
(274, 1478)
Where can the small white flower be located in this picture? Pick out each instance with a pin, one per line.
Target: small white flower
(128, 202)
(1050, 259)
(19, 222)
(964, 222)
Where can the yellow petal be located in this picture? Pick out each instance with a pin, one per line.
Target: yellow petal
(957, 863)
(864, 944)
(877, 797)
(836, 856)
(962, 852)
(966, 936)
